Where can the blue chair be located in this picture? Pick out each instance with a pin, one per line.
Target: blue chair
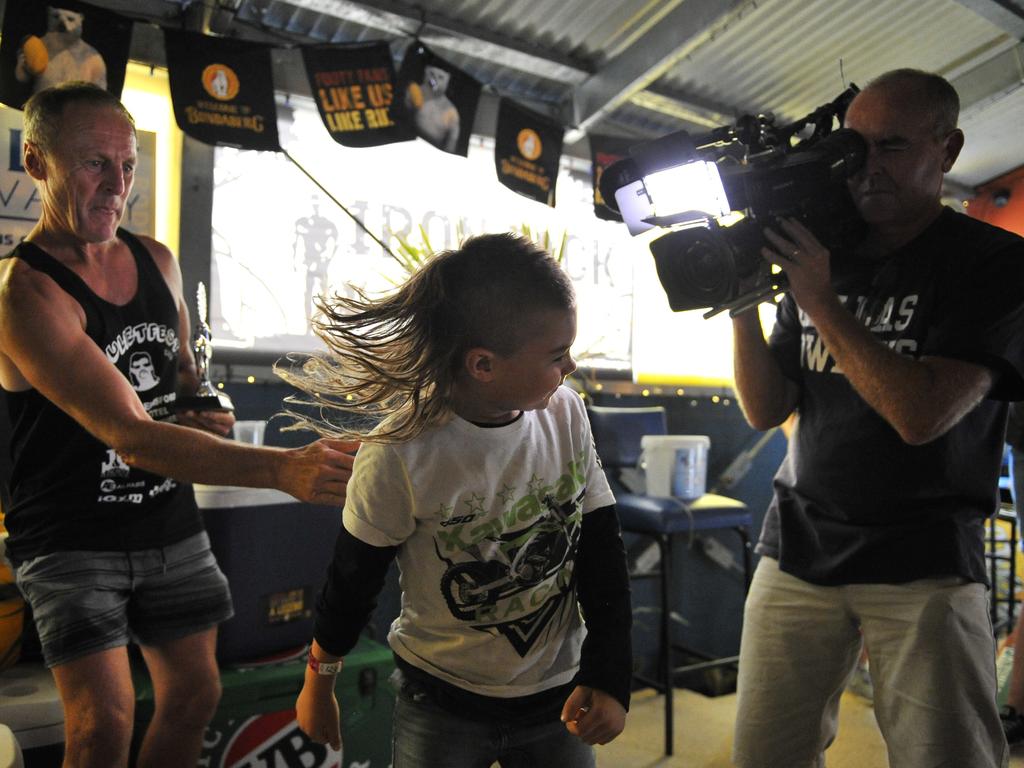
(617, 434)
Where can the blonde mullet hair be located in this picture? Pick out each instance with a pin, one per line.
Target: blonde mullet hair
(392, 362)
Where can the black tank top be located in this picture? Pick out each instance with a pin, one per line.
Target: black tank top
(68, 490)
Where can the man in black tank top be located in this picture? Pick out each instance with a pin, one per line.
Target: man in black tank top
(93, 353)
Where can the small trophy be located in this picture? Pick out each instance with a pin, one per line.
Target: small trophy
(206, 398)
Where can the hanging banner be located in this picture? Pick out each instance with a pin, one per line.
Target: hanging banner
(604, 151)
(439, 100)
(527, 149)
(222, 90)
(45, 44)
(354, 87)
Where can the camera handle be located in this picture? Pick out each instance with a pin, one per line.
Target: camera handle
(747, 301)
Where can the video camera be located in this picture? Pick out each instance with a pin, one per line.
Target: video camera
(754, 171)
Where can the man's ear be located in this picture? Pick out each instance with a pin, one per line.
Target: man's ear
(954, 143)
(33, 162)
(480, 364)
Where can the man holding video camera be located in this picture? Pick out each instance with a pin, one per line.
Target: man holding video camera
(899, 376)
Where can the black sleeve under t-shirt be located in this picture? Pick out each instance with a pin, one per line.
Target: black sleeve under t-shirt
(354, 580)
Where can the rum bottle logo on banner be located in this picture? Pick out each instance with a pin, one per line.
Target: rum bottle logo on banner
(221, 82)
(527, 152)
(222, 90)
(529, 143)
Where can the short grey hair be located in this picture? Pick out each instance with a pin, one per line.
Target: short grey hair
(44, 110)
(934, 93)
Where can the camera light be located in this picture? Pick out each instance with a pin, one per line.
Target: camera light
(686, 193)
(634, 206)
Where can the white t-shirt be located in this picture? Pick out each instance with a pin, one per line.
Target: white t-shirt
(487, 520)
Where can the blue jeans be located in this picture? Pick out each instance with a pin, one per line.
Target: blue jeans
(426, 735)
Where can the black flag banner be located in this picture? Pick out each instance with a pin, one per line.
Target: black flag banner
(222, 90)
(44, 45)
(439, 100)
(604, 151)
(527, 150)
(354, 87)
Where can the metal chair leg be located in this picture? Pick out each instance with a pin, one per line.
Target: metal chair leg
(1012, 601)
(664, 678)
(992, 573)
(665, 545)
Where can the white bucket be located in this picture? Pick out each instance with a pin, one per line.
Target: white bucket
(675, 465)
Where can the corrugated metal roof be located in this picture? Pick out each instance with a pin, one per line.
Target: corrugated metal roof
(790, 56)
(643, 68)
(589, 30)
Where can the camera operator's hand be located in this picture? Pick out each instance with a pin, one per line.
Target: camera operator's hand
(805, 261)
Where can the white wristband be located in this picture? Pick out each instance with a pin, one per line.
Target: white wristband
(323, 667)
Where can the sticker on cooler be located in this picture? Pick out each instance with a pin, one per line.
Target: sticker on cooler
(273, 740)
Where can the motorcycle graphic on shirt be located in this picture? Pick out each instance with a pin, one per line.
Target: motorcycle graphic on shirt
(519, 579)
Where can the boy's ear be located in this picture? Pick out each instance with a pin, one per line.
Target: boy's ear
(480, 364)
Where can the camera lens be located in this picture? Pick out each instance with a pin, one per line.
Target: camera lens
(696, 268)
(707, 266)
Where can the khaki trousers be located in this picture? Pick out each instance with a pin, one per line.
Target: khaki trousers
(932, 660)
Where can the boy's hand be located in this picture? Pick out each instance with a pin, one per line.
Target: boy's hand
(317, 713)
(593, 715)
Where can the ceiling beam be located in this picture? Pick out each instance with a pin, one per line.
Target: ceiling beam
(682, 108)
(1005, 14)
(681, 31)
(991, 79)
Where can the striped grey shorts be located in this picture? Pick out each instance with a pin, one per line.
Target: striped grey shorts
(85, 602)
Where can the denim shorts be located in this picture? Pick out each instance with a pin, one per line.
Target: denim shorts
(85, 602)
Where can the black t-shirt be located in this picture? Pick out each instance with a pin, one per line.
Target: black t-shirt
(854, 503)
(68, 490)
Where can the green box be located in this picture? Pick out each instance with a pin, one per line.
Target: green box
(255, 721)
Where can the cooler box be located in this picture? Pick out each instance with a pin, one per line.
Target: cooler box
(30, 707)
(255, 722)
(274, 551)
